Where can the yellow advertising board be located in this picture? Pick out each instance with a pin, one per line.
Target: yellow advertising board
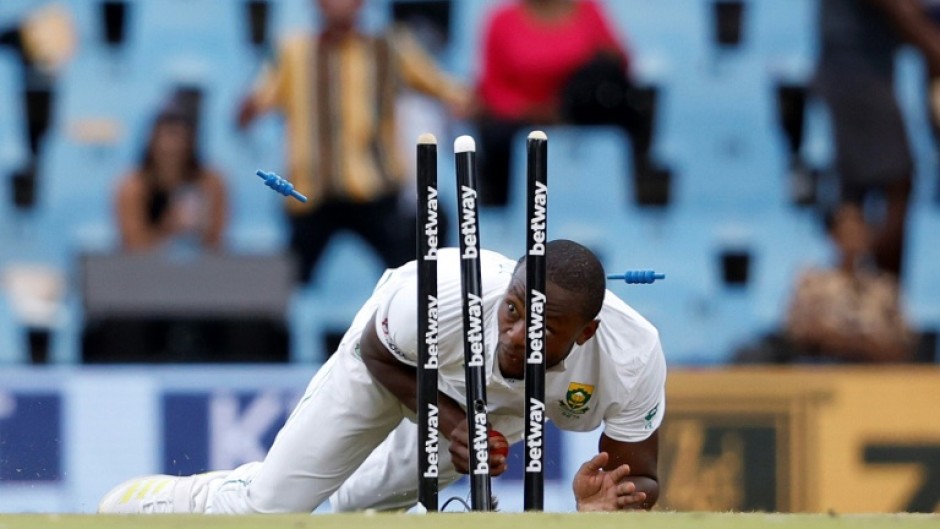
(802, 439)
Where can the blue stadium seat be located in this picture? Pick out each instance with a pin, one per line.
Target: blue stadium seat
(703, 319)
(13, 11)
(183, 27)
(698, 325)
(707, 93)
(666, 38)
(197, 43)
(13, 150)
(13, 344)
(788, 244)
(680, 247)
(818, 147)
(921, 280)
(469, 20)
(721, 132)
(785, 35)
(344, 279)
(74, 214)
(911, 90)
(589, 189)
(257, 222)
(66, 333)
(93, 85)
(76, 195)
(681, 314)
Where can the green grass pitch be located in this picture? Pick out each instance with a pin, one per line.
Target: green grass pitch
(655, 520)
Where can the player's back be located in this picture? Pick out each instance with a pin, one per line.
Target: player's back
(401, 283)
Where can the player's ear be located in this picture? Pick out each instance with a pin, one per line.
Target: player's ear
(588, 331)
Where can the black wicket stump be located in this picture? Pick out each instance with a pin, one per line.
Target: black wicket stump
(536, 300)
(474, 347)
(427, 246)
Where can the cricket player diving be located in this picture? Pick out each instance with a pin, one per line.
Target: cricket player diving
(352, 438)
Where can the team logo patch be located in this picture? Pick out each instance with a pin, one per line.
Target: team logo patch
(576, 399)
(649, 417)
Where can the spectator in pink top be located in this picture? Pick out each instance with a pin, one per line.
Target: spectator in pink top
(543, 63)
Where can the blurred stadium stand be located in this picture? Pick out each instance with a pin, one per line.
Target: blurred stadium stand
(729, 242)
(12, 138)
(922, 288)
(13, 346)
(321, 312)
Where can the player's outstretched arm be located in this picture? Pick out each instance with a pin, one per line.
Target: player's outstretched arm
(621, 477)
(401, 380)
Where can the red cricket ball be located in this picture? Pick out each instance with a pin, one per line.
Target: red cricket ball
(498, 444)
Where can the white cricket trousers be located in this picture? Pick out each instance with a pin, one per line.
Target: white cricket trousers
(342, 418)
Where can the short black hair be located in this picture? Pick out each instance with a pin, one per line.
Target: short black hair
(575, 268)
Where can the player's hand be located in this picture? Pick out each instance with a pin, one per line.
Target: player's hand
(597, 490)
(498, 450)
(460, 450)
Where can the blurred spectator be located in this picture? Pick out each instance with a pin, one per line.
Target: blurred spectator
(337, 91)
(171, 201)
(850, 312)
(546, 62)
(171, 205)
(855, 78)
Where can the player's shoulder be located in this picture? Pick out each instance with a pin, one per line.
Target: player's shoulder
(489, 259)
(617, 308)
(498, 260)
(624, 335)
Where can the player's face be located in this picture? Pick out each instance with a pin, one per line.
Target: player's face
(563, 327)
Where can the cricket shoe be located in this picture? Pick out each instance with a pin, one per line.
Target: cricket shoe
(160, 494)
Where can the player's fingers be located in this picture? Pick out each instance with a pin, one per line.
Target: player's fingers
(497, 465)
(460, 455)
(619, 473)
(631, 501)
(594, 465)
(625, 489)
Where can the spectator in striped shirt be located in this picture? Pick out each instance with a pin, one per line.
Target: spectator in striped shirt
(337, 91)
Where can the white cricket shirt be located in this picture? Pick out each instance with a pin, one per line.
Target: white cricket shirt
(617, 377)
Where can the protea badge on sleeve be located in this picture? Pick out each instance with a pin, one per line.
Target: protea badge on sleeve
(576, 399)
